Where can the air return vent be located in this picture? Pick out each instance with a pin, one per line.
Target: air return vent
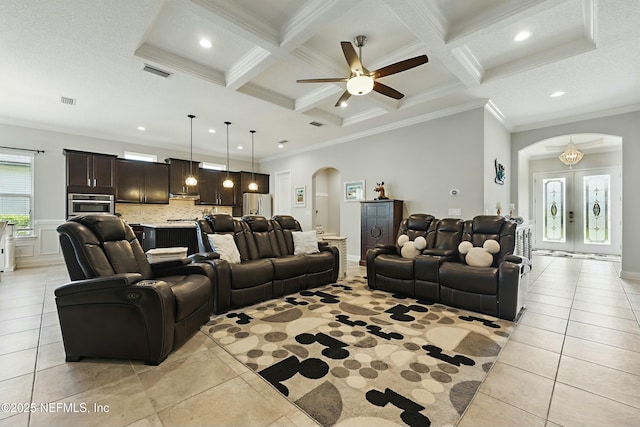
(316, 124)
(68, 101)
(157, 71)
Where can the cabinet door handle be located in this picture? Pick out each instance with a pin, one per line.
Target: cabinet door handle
(94, 182)
(88, 182)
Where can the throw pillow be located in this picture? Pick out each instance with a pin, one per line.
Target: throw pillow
(479, 257)
(305, 242)
(225, 246)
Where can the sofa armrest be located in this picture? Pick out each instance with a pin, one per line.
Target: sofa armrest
(508, 289)
(390, 248)
(221, 282)
(204, 256)
(372, 254)
(116, 281)
(513, 258)
(93, 313)
(185, 267)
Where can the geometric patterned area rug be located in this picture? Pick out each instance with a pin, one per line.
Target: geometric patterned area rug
(350, 356)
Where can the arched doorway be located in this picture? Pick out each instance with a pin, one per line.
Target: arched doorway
(578, 208)
(326, 200)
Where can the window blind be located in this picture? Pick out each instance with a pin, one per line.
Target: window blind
(16, 190)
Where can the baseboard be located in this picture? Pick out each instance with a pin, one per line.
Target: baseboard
(630, 275)
(41, 261)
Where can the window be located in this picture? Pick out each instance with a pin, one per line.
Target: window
(213, 166)
(16, 191)
(130, 155)
(554, 226)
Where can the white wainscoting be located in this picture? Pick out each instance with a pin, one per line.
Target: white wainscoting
(41, 250)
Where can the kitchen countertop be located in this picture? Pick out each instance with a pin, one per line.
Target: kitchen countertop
(173, 224)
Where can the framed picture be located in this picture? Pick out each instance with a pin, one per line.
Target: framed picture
(354, 191)
(301, 196)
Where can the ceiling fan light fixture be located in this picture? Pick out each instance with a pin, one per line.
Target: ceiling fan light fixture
(571, 155)
(359, 85)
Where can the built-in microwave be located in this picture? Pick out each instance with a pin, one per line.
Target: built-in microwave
(83, 204)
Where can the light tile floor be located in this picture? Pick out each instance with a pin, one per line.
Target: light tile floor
(573, 359)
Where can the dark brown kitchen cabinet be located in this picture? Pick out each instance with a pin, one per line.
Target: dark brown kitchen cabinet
(142, 182)
(90, 172)
(212, 192)
(179, 170)
(379, 222)
(261, 179)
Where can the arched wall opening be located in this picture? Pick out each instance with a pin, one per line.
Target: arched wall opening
(325, 200)
(539, 160)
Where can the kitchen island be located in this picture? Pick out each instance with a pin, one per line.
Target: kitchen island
(170, 234)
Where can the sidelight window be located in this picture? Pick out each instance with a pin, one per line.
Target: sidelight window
(597, 218)
(554, 216)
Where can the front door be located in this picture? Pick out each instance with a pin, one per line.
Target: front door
(579, 211)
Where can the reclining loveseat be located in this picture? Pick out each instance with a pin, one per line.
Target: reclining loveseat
(120, 306)
(268, 266)
(440, 274)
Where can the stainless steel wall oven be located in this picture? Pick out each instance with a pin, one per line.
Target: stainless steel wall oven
(83, 204)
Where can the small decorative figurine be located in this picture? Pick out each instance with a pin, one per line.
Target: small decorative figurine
(380, 190)
(500, 177)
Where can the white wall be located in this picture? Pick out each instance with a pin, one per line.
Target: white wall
(497, 145)
(626, 126)
(419, 164)
(50, 183)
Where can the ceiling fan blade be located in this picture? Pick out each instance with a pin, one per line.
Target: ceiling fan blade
(400, 66)
(329, 80)
(351, 56)
(346, 95)
(386, 90)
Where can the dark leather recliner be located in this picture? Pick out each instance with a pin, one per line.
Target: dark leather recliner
(494, 290)
(120, 306)
(268, 267)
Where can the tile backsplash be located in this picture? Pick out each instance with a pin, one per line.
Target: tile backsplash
(135, 213)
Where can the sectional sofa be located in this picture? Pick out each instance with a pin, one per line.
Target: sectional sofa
(269, 263)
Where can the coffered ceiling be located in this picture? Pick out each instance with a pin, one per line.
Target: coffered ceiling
(94, 52)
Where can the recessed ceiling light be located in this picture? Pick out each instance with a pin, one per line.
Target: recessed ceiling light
(240, 147)
(522, 35)
(281, 143)
(205, 43)
(141, 128)
(557, 94)
(212, 131)
(343, 104)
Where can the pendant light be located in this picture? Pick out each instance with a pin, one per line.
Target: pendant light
(253, 186)
(227, 183)
(191, 180)
(571, 155)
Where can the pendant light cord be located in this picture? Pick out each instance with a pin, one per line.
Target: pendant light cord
(191, 116)
(227, 123)
(253, 176)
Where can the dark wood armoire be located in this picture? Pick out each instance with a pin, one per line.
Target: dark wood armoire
(380, 220)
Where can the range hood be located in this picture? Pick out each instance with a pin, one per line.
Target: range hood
(185, 196)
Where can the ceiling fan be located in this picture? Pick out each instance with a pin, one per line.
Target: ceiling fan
(362, 81)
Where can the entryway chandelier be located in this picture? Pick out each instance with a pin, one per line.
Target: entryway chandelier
(571, 155)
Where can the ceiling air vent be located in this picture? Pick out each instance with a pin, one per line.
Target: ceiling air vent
(68, 101)
(157, 71)
(316, 124)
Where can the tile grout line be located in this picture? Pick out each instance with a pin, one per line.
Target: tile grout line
(564, 338)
